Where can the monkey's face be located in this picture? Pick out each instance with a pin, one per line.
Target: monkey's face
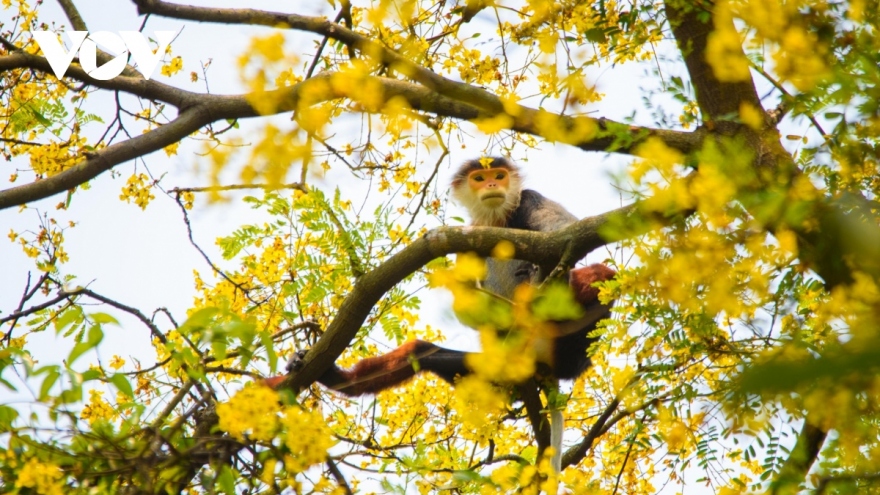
(490, 186)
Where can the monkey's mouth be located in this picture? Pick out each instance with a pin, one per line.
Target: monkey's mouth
(493, 195)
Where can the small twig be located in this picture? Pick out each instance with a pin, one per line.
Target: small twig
(165, 311)
(25, 297)
(128, 309)
(780, 111)
(233, 187)
(231, 371)
(629, 448)
(33, 309)
(337, 474)
(207, 259)
(172, 404)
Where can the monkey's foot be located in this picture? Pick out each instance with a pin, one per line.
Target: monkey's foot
(297, 361)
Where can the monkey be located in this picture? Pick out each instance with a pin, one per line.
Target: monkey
(493, 195)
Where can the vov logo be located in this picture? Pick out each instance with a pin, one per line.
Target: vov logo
(132, 42)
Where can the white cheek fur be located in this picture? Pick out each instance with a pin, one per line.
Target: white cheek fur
(492, 214)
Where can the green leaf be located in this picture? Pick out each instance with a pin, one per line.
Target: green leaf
(122, 384)
(103, 318)
(218, 348)
(90, 374)
(271, 355)
(226, 480)
(199, 319)
(788, 375)
(71, 395)
(7, 416)
(68, 317)
(557, 303)
(595, 35)
(94, 338)
(51, 377)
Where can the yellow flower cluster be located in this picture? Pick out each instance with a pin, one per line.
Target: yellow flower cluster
(138, 189)
(529, 479)
(480, 405)
(97, 408)
(307, 436)
(511, 360)
(724, 50)
(797, 53)
(472, 66)
(172, 67)
(52, 158)
(45, 479)
(253, 411)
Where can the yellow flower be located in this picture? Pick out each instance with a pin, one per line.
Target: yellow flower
(97, 408)
(117, 362)
(172, 67)
(469, 267)
(751, 116)
(724, 49)
(307, 436)
(253, 411)
(491, 125)
(504, 250)
(45, 479)
(477, 400)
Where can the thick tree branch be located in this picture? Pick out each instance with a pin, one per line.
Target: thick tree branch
(198, 110)
(719, 101)
(97, 163)
(134, 84)
(575, 454)
(542, 248)
(583, 132)
(799, 462)
(850, 479)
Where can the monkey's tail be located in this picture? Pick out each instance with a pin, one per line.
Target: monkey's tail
(372, 375)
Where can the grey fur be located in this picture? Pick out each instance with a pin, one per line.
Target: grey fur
(537, 213)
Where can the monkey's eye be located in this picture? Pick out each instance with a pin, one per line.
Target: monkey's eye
(500, 176)
(479, 178)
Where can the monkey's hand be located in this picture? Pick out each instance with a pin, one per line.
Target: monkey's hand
(295, 364)
(525, 273)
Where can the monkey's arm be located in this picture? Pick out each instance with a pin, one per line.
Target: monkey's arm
(540, 213)
(374, 374)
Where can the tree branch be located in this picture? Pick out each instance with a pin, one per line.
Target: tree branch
(199, 110)
(717, 100)
(799, 462)
(542, 248)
